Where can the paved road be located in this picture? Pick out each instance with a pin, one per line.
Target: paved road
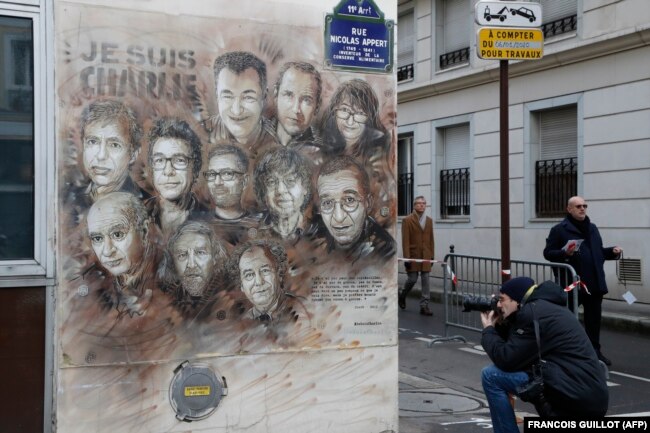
(440, 389)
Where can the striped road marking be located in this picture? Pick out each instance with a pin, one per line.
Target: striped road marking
(470, 350)
(630, 376)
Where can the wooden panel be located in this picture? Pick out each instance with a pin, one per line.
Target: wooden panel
(22, 359)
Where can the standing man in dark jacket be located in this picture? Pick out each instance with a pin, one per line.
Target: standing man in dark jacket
(574, 381)
(587, 258)
(417, 243)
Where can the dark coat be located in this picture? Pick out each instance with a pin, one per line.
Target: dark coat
(587, 261)
(574, 380)
(417, 243)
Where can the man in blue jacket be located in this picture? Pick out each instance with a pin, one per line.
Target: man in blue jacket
(587, 257)
(574, 381)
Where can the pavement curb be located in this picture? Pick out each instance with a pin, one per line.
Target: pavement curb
(621, 322)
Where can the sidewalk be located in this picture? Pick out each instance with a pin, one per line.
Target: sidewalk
(617, 315)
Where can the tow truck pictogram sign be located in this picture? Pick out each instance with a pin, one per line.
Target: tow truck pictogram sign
(508, 14)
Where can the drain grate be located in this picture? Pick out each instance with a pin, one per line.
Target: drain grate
(423, 403)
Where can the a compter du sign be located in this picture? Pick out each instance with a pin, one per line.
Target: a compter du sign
(514, 33)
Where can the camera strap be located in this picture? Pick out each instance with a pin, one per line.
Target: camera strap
(539, 349)
(537, 339)
(529, 292)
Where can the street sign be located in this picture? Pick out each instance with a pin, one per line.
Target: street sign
(497, 43)
(508, 14)
(358, 38)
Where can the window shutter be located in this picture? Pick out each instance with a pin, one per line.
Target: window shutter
(456, 147)
(406, 39)
(456, 25)
(559, 133)
(555, 9)
(404, 154)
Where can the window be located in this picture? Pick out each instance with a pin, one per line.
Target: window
(405, 46)
(404, 174)
(455, 33)
(454, 177)
(24, 172)
(559, 17)
(556, 169)
(17, 141)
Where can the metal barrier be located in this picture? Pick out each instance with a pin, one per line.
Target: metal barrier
(481, 276)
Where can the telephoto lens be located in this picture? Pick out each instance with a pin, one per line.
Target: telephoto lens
(479, 303)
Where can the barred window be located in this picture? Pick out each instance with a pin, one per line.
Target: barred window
(405, 46)
(556, 170)
(559, 16)
(456, 30)
(455, 175)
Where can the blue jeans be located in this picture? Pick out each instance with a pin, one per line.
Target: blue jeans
(496, 385)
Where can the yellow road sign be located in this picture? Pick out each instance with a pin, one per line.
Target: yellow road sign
(509, 43)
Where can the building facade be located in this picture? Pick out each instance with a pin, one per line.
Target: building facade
(578, 125)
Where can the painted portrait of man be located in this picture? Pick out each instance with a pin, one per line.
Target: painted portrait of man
(227, 179)
(174, 163)
(119, 234)
(117, 313)
(344, 203)
(191, 267)
(283, 186)
(110, 144)
(259, 268)
(297, 96)
(241, 90)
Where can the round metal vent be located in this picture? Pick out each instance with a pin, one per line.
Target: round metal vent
(195, 391)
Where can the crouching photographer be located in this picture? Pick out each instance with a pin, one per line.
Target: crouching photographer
(555, 368)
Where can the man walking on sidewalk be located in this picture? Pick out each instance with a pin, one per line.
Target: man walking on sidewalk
(417, 243)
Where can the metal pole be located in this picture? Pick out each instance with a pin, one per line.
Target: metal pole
(504, 171)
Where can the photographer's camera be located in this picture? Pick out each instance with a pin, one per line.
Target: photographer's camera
(479, 303)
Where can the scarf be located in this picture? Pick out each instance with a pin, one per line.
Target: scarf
(423, 219)
(582, 226)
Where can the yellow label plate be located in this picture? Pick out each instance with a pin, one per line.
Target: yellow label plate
(504, 43)
(196, 391)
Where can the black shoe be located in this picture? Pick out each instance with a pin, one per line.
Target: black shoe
(401, 301)
(605, 360)
(425, 311)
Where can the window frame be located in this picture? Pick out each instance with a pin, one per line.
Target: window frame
(410, 136)
(403, 11)
(460, 147)
(561, 25)
(438, 144)
(441, 25)
(38, 271)
(532, 148)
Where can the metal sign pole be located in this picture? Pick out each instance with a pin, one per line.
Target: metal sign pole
(513, 34)
(504, 170)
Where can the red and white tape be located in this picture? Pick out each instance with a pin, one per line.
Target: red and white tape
(580, 284)
(402, 259)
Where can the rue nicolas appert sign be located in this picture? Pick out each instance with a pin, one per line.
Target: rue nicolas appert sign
(514, 32)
